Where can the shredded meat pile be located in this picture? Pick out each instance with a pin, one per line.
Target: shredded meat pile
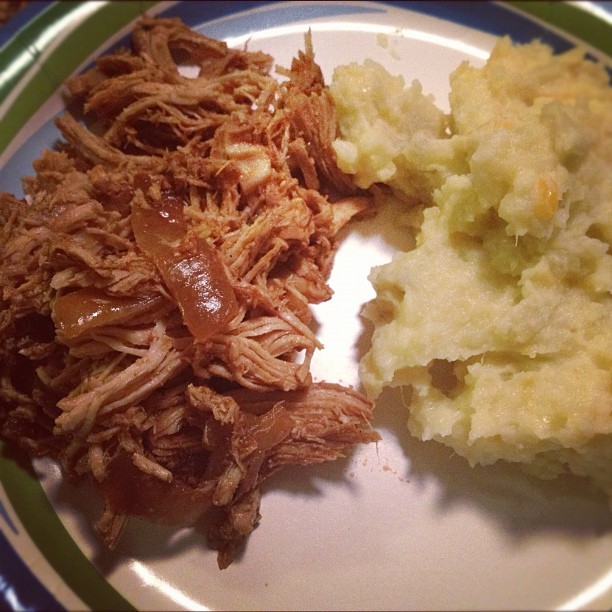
(155, 283)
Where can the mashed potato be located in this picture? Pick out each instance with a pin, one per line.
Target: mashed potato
(500, 319)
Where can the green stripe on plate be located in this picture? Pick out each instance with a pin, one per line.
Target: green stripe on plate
(42, 524)
(82, 41)
(575, 21)
(22, 488)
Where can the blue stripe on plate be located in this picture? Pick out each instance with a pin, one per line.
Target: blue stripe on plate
(7, 519)
(19, 587)
(20, 19)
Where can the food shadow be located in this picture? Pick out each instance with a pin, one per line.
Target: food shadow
(141, 539)
(520, 503)
(148, 541)
(523, 505)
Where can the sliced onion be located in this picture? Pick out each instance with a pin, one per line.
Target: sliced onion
(193, 273)
(129, 490)
(85, 309)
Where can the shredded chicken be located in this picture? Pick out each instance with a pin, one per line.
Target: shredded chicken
(156, 281)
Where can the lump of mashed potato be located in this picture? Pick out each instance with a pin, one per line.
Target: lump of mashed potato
(500, 319)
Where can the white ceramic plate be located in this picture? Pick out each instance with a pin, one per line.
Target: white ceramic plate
(399, 525)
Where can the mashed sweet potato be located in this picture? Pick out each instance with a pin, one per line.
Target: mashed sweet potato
(499, 321)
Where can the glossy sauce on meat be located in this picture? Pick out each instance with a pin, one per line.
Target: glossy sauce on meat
(191, 269)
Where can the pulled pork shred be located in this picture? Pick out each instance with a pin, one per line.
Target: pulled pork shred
(155, 331)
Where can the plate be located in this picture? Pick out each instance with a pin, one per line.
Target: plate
(397, 525)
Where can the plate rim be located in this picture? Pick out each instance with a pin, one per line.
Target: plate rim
(99, 592)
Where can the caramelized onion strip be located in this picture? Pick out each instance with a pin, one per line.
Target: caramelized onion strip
(191, 269)
(83, 310)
